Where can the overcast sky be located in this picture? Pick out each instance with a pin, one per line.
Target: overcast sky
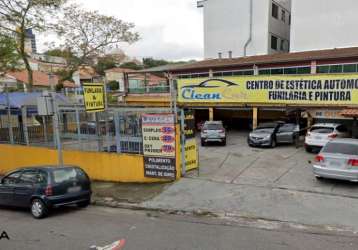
(169, 29)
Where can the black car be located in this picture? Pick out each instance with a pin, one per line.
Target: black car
(43, 188)
(271, 134)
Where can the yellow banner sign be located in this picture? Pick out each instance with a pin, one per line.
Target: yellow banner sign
(191, 154)
(93, 94)
(301, 89)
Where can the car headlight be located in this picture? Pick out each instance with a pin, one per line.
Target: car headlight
(267, 137)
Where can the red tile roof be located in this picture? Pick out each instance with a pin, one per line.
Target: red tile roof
(39, 79)
(341, 53)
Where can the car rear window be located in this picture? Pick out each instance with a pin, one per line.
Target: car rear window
(341, 148)
(64, 175)
(213, 126)
(322, 130)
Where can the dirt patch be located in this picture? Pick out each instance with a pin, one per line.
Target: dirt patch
(126, 192)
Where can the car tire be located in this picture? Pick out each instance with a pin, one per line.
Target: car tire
(318, 178)
(223, 142)
(273, 143)
(203, 144)
(83, 204)
(39, 209)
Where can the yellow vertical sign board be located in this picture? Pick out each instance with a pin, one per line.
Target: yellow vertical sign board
(191, 154)
(94, 99)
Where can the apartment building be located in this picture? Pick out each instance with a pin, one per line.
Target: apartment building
(236, 28)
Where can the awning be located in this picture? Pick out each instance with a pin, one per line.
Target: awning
(350, 113)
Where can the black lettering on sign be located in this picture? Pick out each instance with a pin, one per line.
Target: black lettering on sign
(159, 167)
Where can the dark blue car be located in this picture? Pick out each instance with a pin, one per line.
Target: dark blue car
(43, 188)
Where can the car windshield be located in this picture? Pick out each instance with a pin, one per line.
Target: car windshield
(322, 130)
(213, 126)
(341, 148)
(264, 130)
(64, 174)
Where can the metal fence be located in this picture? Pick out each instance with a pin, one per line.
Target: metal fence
(114, 131)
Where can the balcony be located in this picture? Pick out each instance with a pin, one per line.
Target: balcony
(150, 90)
(151, 96)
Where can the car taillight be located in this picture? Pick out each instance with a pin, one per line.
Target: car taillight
(48, 191)
(319, 158)
(222, 131)
(332, 136)
(353, 162)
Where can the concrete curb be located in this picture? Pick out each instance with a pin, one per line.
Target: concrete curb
(256, 222)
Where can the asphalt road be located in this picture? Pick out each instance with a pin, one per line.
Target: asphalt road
(72, 228)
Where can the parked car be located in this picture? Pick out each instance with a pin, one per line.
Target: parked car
(271, 134)
(321, 133)
(44, 188)
(338, 159)
(213, 131)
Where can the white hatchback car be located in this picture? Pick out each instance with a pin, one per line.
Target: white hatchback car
(321, 133)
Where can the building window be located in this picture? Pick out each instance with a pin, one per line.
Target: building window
(350, 68)
(283, 16)
(304, 70)
(274, 10)
(282, 45)
(264, 72)
(290, 71)
(273, 42)
(278, 71)
(323, 69)
(336, 69)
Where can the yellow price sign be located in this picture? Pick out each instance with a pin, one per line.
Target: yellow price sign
(93, 94)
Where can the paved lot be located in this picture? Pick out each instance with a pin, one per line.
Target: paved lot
(284, 167)
(270, 184)
(76, 229)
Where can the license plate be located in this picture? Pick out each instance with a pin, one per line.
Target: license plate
(73, 189)
(318, 137)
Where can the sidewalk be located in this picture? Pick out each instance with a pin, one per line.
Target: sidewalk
(114, 194)
(275, 204)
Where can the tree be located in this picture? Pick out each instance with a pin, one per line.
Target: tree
(150, 62)
(104, 63)
(131, 65)
(90, 34)
(9, 58)
(18, 16)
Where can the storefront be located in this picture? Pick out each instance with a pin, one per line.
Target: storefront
(305, 87)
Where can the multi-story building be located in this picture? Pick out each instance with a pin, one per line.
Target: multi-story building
(30, 42)
(236, 28)
(323, 24)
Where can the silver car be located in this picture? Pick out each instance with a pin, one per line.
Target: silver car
(213, 131)
(338, 159)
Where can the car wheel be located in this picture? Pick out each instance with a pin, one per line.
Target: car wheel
(203, 143)
(273, 143)
(83, 204)
(319, 178)
(38, 209)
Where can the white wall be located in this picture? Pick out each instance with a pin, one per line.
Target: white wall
(324, 24)
(226, 27)
(279, 28)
